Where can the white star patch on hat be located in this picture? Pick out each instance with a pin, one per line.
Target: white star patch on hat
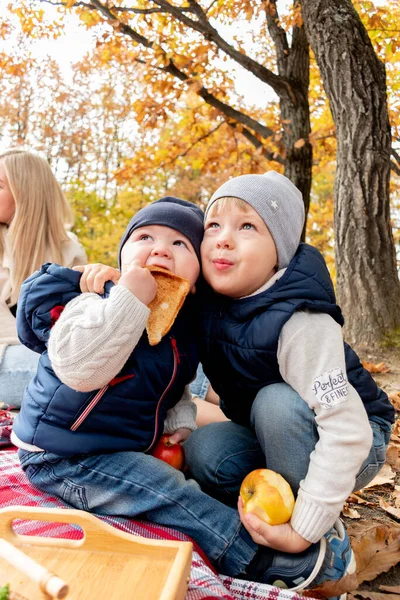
(274, 204)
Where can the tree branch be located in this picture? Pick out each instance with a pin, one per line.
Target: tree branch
(173, 70)
(278, 84)
(395, 166)
(277, 34)
(233, 116)
(200, 139)
(144, 11)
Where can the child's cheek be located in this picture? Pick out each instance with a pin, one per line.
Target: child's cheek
(128, 254)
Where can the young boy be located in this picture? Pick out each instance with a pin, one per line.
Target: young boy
(299, 400)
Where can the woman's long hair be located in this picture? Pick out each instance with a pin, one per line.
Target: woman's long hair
(42, 213)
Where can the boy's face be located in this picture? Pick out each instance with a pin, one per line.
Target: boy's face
(161, 246)
(238, 252)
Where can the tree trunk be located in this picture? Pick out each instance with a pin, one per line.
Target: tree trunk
(299, 155)
(293, 64)
(368, 287)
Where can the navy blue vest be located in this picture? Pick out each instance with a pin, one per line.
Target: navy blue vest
(128, 413)
(239, 337)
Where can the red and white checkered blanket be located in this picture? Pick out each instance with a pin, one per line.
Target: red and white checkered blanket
(205, 583)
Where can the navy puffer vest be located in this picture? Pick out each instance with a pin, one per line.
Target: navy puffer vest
(126, 414)
(239, 337)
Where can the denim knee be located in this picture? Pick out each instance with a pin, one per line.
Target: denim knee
(278, 405)
(199, 453)
(279, 413)
(17, 368)
(221, 454)
(377, 456)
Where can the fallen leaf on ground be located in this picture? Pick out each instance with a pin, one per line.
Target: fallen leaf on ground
(376, 368)
(394, 512)
(394, 398)
(374, 595)
(351, 513)
(385, 475)
(396, 427)
(393, 456)
(396, 496)
(356, 499)
(376, 547)
(393, 589)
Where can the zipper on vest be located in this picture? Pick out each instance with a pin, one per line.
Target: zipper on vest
(96, 399)
(176, 363)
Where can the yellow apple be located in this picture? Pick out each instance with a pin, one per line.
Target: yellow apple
(268, 495)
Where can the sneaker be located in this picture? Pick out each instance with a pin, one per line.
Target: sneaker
(339, 564)
(329, 560)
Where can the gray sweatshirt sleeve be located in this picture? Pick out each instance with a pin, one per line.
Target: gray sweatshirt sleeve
(311, 360)
(94, 337)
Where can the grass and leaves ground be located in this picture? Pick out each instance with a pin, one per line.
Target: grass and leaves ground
(372, 515)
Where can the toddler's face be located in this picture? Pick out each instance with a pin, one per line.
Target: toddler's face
(161, 246)
(238, 252)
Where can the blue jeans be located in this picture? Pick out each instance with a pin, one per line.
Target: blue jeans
(199, 387)
(133, 484)
(17, 368)
(220, 455)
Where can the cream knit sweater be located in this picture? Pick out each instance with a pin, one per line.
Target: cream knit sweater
(93, 339)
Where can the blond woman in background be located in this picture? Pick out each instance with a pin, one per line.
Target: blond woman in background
(34, 221)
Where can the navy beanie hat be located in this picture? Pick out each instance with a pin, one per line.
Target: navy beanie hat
(184, 216)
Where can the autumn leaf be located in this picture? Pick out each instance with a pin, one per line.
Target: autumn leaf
(376, 368)
(385, 476)
(349, 512)
(393, 456)
(300, 143)
(395, 400)
(372, 596)
(391, 510)
(396, 496)
(376, 547)
(356, 499)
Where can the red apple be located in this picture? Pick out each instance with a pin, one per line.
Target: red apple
(268, 495)
(169, 453)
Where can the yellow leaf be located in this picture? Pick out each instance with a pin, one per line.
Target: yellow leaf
(300, 143)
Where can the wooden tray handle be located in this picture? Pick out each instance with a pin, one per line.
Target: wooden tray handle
(94, 529)
(97, 534)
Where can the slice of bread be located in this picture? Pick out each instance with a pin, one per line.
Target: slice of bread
(171, 293)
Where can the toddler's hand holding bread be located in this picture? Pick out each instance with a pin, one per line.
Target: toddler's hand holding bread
(140, 282)
(159, 289)
(164, 308)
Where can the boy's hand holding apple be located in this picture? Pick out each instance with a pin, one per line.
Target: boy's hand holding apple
(265, 506)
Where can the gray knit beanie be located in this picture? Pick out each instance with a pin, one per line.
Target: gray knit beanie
(278, 202)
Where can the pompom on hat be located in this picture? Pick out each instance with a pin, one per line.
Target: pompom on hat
(278, 202)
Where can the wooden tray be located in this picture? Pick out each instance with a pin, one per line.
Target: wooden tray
(106, 564)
